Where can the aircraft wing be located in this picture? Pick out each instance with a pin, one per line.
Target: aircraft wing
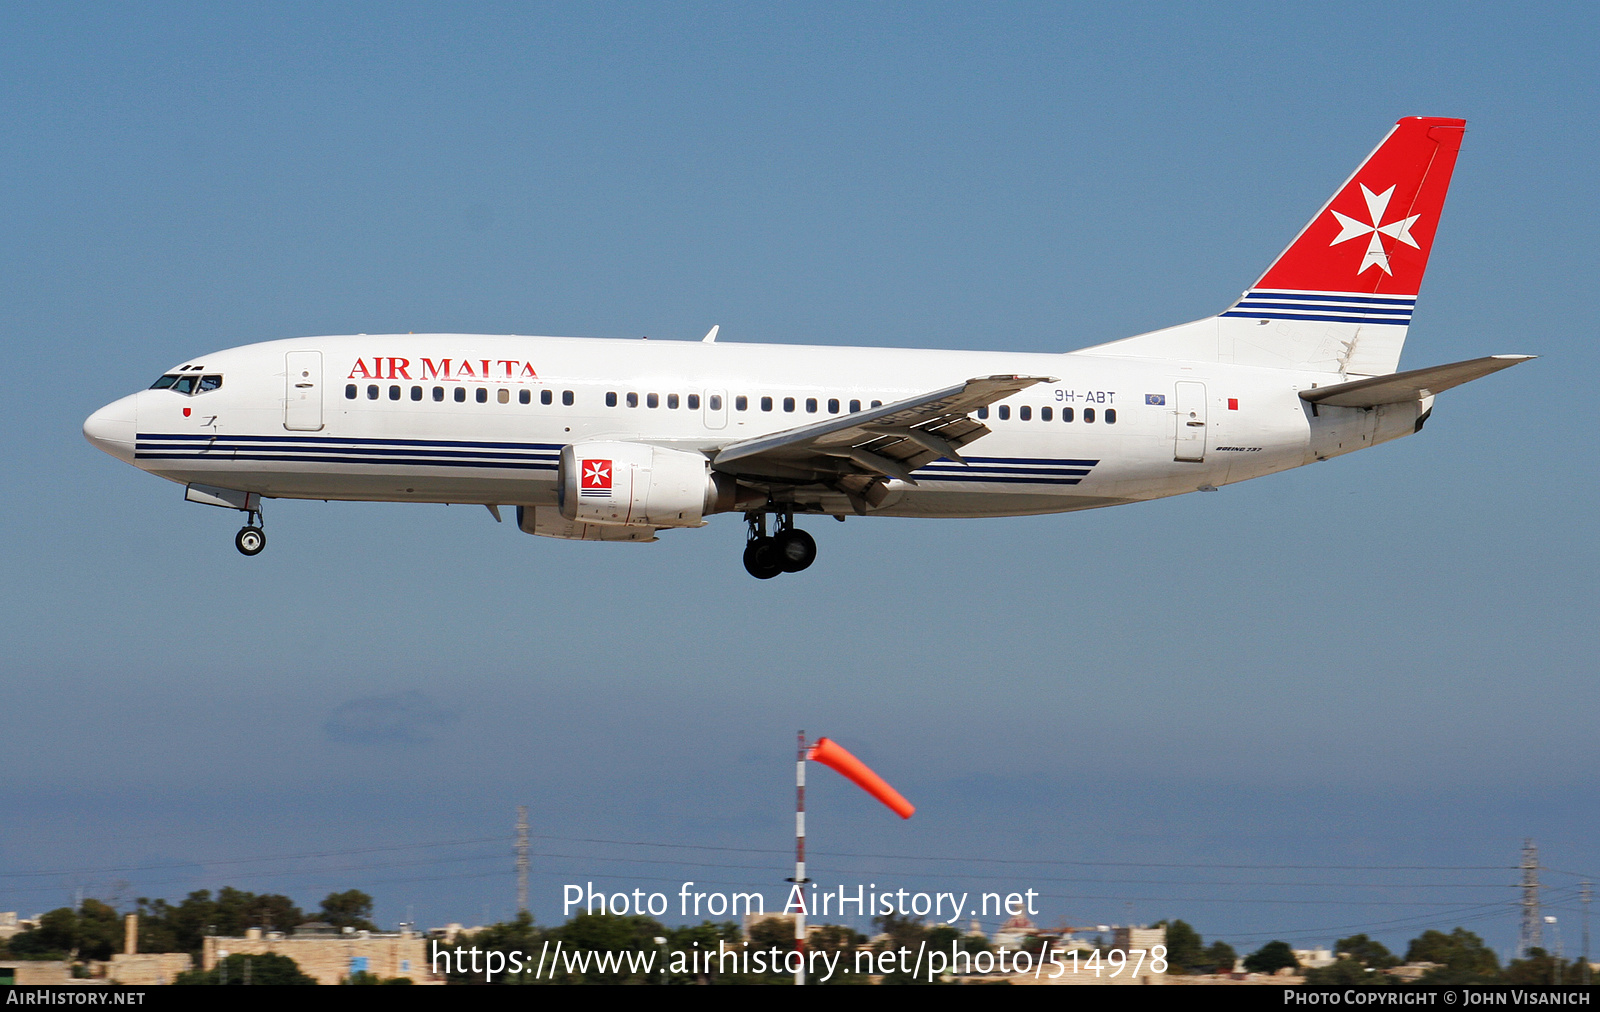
(1409, 386)
(856, 453)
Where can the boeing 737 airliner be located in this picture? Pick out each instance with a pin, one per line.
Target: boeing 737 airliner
(616, 440)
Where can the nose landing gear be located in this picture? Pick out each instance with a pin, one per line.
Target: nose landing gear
(788, 550)
(251, 539)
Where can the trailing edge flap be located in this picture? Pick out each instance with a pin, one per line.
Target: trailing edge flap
(1409, 386)
(890, 441)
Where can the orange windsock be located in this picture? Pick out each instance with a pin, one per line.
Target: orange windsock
(831, 753)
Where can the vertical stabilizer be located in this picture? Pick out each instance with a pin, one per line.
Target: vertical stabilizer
(1339, 299)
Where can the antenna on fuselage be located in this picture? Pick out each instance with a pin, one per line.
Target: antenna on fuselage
(711, 335)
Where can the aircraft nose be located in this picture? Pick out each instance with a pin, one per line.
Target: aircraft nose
(113, 427)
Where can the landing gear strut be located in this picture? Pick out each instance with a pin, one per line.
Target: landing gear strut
(788, 550)
(251, 539)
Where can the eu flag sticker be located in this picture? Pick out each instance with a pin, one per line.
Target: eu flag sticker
(1157, 399)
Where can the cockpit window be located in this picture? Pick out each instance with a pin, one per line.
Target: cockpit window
(187, 384)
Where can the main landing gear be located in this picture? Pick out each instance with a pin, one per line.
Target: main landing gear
(788, 550)
(251, 539)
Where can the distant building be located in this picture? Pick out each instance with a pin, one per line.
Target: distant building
(11, 925)
(37, 971)
(1014, 932)
(1131, 967)
(132, 967)
(1314, 959)
(330, 955)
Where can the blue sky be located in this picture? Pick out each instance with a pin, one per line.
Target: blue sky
(1376, 664)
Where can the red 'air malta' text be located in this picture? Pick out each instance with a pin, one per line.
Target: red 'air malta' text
(391, 367)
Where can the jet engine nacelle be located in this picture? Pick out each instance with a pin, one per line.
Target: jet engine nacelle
(612, 482)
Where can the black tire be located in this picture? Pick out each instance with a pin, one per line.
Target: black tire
(761, 559)
(250, 540)
(796, 550)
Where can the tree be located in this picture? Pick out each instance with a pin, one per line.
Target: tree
(1366, 951)
(840, 942)
(1271, 958)
(1461, 951)
(243, 969)
(365, 977)
(93, 931)
(1185, 948)
(607, 933)
(100, 930)
(1542, 968)
(1220, 957)
(706, 937)
(506, 937)
(904, 932)
(1347, 971)
(349, 909)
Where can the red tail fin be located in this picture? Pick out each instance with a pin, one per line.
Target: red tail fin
(1374, 236)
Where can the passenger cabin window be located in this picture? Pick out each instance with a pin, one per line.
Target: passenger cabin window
(438, 393)
(983, 412)
(766, 404)
(372, 392)
(1004, 411)
(1025, 413)
(633, 400)
(611, 398)
(1066, 414)
(1088, 414)
(811, 405)
(833, 405)
(652, 400)
(350, 391)
(672, 402)
(566, 398)
(416, 393)
(461, 394)
(694, 402)
(394, 393)
(740, 403)
(1045, 414)
(1111, 416)
(483, 395)
(549, 397)
(524, 396)
(788, 404)
(855, 406)
(877, 404)
(503, 396)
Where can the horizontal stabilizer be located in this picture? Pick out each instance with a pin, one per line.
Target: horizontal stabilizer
(1409, 386)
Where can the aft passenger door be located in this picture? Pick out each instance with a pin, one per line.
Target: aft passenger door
(1190, 440)
(302, 403)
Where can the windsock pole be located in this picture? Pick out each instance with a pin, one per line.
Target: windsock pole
(800, 879)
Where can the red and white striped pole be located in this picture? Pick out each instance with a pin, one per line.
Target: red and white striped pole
(800, 857)
(829, 753)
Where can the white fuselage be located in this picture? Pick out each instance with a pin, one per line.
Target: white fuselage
(279, 428)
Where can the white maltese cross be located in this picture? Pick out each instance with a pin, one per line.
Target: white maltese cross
(1377, 203)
